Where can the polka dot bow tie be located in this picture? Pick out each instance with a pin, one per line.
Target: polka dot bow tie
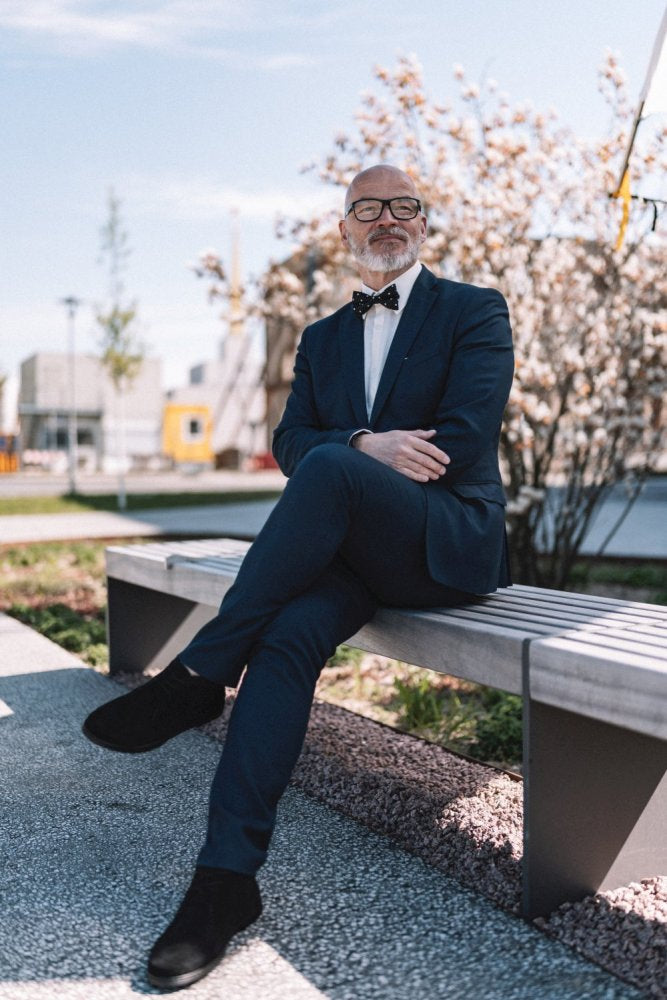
(361, 302)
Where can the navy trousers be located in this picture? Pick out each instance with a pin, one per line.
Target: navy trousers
(346, 536)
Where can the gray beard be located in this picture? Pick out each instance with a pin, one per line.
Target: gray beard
(384, 262)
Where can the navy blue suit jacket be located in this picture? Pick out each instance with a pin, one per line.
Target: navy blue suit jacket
(449, 367)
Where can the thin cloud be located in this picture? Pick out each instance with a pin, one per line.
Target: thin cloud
(195, 199)
(287, 60)
(196, 27)
(77, 21)
(124, 19)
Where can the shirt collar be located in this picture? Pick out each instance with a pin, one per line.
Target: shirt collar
(403, 283)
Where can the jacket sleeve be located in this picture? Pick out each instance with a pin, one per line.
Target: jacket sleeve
(300, 428)
(470, 411)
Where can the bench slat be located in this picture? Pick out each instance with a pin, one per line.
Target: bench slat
(543, 593)
(612, 685)
(627, 613)
(642, 648)
(448, 645)
(542, 622)
(210, 552)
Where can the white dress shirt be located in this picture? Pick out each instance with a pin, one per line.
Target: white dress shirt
(380, 326)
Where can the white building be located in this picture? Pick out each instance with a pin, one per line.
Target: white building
(52, 386)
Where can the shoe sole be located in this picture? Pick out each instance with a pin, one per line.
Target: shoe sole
(185, 978)
(178, 982)
(89, 734)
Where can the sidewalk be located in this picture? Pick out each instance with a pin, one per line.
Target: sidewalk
(643, 534)
(99, 847)
(236, 520)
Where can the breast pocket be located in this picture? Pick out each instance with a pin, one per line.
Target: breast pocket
(420, 382)
(434, 358)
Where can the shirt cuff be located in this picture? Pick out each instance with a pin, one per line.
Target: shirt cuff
(352, 437)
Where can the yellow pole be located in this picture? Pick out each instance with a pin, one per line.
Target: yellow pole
(623, 192)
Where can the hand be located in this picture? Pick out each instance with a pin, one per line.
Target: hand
(409, 452)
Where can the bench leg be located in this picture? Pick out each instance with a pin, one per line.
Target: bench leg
(146, 628)
(595, 807)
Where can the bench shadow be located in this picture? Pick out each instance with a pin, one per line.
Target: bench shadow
(456, 814)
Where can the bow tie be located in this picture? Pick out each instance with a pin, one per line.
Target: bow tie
(361, 302)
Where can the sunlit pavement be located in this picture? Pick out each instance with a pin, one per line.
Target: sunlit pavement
(238, 520)
(27, 483)
(98, 849)
(643, 533)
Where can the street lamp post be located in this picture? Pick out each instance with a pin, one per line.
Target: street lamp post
(71, 304)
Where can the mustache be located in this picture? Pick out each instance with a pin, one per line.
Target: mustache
(388, 231)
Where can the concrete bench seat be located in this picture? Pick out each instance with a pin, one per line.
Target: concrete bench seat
(592, 673)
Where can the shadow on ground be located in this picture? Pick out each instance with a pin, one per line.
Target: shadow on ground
(99, 847)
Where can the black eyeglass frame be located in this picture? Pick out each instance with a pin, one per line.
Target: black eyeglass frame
(383, 202)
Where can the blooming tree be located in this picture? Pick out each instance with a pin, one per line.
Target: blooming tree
(517, 201)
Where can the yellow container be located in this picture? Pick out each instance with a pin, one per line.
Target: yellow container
(186, 433)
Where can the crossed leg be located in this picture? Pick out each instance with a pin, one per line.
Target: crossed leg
(360, 526)
(270, 715)
(347, 534)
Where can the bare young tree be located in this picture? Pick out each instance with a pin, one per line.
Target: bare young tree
(122, 353)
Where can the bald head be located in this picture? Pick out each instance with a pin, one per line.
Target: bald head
(381, 175)
(387, 227)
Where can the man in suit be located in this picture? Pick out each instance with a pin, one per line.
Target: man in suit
(390, 440)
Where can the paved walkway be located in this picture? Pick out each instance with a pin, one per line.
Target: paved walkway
(97, 849)
(237, 520)
(33, 483)
(643, 534)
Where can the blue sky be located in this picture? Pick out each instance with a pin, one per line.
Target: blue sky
(191, 107)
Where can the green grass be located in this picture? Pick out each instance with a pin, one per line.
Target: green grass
(84, 634)
(71, 572)
(479, 721)
(86, 556)
(78, 503)
(644, 574)
(648, 578)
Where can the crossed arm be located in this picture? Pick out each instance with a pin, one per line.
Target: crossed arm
(409, 452)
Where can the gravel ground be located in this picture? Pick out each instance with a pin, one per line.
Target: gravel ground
(624, 930)
(466, 818)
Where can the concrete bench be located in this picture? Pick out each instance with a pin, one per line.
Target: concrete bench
(592, 673)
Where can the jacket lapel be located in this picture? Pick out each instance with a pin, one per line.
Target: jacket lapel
(352, 363)
(423, 295)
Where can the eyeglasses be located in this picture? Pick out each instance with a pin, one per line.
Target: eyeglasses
(370, 209)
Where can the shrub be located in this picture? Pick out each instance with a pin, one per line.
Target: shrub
(84, 634)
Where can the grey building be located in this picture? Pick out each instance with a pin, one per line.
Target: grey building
(48, 393)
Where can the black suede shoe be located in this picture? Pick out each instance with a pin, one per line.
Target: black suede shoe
(151, 714)
(218, 905)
